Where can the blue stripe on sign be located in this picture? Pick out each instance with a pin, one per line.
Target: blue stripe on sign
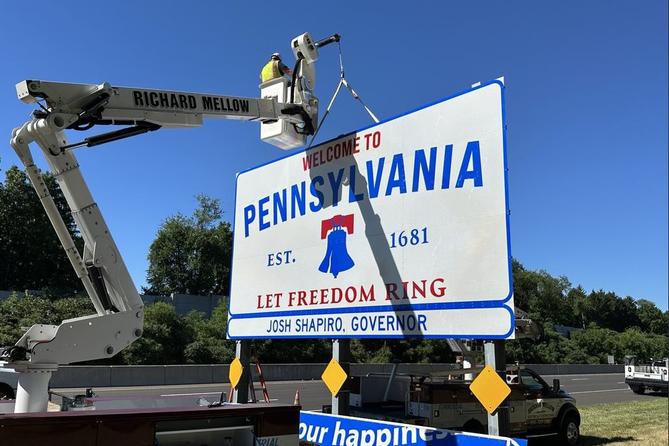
(336, 430)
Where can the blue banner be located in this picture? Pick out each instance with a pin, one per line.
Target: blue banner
(317, 429)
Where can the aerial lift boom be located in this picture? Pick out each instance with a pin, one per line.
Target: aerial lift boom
(119, 309)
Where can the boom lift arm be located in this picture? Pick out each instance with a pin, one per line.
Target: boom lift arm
(119, 309)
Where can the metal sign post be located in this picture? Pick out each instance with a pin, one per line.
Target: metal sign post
(341, 352)
(243, 352)
(498, 424)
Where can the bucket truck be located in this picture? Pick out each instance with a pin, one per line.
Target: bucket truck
(287, 111)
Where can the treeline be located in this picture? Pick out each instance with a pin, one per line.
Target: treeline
(191, 254)
(170, 338)
(607, 323)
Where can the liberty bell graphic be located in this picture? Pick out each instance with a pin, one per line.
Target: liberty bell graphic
(336, 257)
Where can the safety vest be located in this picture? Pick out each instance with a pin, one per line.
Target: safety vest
(271, 70)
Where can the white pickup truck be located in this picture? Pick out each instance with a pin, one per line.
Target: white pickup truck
(651, 377)
(536, 409)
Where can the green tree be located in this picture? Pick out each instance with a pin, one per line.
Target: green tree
(608, 310)
(596, 344)
(645, 347)
(579, 305)
(210, 346)
(192, 254)
(17, 313)
(651, 319)
(164, 340)
(32, 257)
(543, 296)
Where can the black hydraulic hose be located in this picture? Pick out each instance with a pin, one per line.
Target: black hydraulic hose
(293, 80)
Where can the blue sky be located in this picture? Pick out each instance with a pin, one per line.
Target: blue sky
(586, 108)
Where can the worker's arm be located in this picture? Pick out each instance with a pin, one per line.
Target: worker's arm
(286, 70)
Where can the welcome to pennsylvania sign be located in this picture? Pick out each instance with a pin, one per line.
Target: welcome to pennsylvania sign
(397, 230)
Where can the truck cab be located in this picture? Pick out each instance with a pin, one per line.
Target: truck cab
(536, 409)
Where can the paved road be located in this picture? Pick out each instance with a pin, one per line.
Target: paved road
(596, 389)
(587, 389)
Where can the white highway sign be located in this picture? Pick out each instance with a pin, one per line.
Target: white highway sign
(397, 230)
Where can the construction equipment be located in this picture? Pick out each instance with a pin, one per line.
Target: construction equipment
(119, 309)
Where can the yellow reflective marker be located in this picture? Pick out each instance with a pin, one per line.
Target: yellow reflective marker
(489, 389)
(334, 377)
(235, 373)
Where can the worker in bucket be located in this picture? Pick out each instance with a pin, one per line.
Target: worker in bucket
(274, 69)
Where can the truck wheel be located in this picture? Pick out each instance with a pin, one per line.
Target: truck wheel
(569, 431)
(638, 389)
(6, 392)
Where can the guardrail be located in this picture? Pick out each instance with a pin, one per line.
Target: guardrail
(152, 375)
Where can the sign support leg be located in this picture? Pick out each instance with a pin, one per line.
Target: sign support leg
(243, 352)
(341, 351)
(495, 357)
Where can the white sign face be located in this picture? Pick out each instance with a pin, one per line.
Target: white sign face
(398, 230)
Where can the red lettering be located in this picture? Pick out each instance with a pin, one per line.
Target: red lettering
(440, 291)
(390, 290)
(350, 294)
(416, 288)
(291, 296)
(367, 296)
(347, 147)
(324, 296)
(306, 162)
(376, 139)
(301, 298)
(367, 137)
(337, 295)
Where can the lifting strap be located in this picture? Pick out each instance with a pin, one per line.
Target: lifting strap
(345, 83)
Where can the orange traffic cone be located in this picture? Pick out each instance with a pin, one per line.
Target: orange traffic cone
(297, 398)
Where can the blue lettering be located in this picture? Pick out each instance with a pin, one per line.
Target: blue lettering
(249, 216)
(397, 170)
(335, 184)
(299, 197)
(420, 165)
(471, 152)
(352, 196)
(279, 206)
(318, 204)
(263, 213)
(374, 183)
(446, 175)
